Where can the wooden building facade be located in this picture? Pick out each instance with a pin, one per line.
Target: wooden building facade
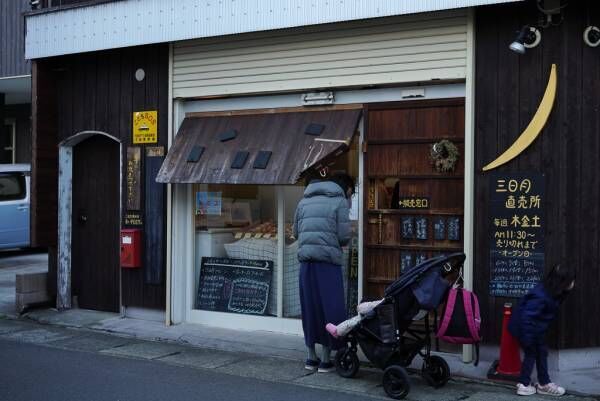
(96, 95)
(508, 90)
(460, 83)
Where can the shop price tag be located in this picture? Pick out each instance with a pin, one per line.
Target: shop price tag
(238, 235)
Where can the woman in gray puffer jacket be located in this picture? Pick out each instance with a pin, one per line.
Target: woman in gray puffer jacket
(322, 227)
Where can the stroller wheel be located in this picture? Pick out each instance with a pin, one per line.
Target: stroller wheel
(346, 363)
(395, 382)
(435, 371)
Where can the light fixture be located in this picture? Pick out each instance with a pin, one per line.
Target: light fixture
(527, 38)
(140, 74)
(591, 36)
(34, 4)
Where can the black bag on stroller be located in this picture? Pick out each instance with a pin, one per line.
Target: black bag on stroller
(386, 337)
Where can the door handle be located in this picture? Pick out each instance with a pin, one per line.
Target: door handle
(22, 207)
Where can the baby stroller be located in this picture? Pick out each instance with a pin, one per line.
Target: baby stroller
(385, 334)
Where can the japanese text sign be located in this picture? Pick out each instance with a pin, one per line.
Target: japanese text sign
(145, 127)
(517, 232)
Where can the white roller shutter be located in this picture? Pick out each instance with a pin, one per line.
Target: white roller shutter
(413, 48)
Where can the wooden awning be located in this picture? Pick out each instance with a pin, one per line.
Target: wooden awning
(270, 148)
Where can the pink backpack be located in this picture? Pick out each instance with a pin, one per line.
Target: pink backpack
(461, 321)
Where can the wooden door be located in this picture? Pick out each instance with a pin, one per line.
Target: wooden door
(95, 224)
(414, 211)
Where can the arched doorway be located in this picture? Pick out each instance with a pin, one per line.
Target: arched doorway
(89, 222)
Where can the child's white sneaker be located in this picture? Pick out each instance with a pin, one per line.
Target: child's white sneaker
(525, 390)
(550, 389)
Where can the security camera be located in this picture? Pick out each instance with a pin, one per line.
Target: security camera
(591, 36)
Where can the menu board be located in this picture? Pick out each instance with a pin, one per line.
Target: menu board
(517, 232)
(234, 285)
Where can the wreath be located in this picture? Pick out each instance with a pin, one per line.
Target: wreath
(444, 155)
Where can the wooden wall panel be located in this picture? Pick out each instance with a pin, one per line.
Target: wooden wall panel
(566, 152)
(98, 91)
(431, 123)
(44, 163)
(407, 158)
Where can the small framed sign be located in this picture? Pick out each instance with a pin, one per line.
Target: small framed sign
(408, 227)
(421, 228)
(406, 261)
(454, 228)
(439, 228)
(420, 258)
(413, 202)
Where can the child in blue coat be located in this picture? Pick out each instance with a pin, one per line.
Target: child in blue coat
(529, 323)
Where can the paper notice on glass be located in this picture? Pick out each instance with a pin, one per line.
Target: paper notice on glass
(208, 203)
(354, 206)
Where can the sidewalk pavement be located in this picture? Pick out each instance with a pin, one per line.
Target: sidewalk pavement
(262, 355)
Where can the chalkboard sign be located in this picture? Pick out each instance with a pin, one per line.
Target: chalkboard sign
(454, 228)
(406, 261)
(408, 227)
(439, 228)
(517, 233)
(421, 228)
(234, 285)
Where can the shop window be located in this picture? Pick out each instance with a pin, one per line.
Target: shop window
(238, 240)
(236, 245)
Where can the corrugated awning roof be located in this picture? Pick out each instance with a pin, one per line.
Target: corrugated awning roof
(272, 148)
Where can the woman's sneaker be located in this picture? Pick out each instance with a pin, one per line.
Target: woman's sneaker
(550, 389)
(525, 390)
(326, 367)
(312, 364)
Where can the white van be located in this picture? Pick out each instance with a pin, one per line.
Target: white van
(14, 205)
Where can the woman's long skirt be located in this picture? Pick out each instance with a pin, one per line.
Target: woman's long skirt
(322, 301)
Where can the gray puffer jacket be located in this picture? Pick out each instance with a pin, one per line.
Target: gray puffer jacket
(322, 223)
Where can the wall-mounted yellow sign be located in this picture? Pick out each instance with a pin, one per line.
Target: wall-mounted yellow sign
(145, 127)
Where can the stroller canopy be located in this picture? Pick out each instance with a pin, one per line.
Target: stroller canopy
(425, 279)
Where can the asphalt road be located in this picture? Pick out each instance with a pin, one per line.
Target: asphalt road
(34, 373)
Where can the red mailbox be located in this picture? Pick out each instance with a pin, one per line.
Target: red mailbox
(131, 248)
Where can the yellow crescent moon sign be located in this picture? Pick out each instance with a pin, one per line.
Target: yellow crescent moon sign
(535, 125)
